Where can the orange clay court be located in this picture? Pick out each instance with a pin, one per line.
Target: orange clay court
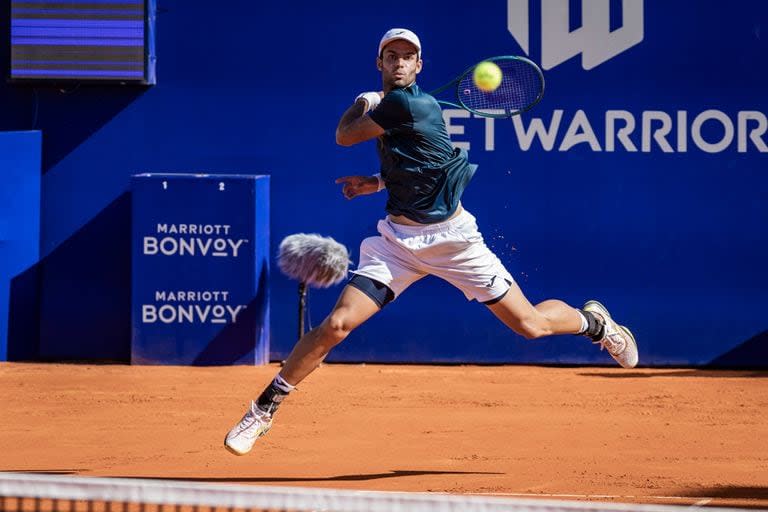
(686, 437)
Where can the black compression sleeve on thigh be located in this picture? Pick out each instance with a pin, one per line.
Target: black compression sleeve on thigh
(379, 293)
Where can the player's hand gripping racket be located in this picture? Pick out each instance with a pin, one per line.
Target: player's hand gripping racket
(520, 89)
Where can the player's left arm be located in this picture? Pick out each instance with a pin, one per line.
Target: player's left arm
(355, 126)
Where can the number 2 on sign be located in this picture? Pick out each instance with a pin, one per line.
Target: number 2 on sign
(221, 185)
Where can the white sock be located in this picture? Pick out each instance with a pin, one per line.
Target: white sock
(584, 323)
(282, 385)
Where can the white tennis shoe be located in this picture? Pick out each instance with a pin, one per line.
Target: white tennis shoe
(254, 424)
(617, 339)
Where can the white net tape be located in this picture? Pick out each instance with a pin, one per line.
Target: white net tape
(176, 493)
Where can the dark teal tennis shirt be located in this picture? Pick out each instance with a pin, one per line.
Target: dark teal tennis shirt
(425, 176)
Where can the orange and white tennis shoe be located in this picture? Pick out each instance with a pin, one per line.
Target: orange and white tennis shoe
(254, 424)
(617, 339)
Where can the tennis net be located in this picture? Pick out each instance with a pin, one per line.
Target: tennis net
(56, 493)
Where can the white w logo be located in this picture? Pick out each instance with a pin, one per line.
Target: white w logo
(593, 39)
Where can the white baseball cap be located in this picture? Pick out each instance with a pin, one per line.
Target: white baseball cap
(400, 33)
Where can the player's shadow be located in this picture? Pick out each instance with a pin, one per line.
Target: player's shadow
(692, 373)
(338, 478)
(44, 471)
(728, 492)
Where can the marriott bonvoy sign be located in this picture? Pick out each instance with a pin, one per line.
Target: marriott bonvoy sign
(194, 240)
(192, 306)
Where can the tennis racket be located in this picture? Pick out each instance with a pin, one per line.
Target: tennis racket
(521, 88)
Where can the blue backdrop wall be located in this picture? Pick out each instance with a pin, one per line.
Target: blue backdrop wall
(640, 179)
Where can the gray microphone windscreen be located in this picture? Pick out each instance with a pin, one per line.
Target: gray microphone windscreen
(313, 259)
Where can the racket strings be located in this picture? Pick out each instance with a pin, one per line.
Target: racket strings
(520, 88)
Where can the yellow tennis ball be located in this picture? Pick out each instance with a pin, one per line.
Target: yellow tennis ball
(487, 76)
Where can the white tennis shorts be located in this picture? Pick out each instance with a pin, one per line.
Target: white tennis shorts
(453, 250)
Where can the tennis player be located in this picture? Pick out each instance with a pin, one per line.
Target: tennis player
(426, 231)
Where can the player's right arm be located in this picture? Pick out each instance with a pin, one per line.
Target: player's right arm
(355, 126)
(373, 115)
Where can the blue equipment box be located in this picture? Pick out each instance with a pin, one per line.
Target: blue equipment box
(200, 247)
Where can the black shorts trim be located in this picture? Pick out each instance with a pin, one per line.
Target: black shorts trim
(498, 299)
(379, 293)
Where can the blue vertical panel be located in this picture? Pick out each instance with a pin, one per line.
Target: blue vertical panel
(19, 215)
(200, 269)
(260, 303)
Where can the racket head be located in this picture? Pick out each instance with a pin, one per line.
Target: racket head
(521, 88)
